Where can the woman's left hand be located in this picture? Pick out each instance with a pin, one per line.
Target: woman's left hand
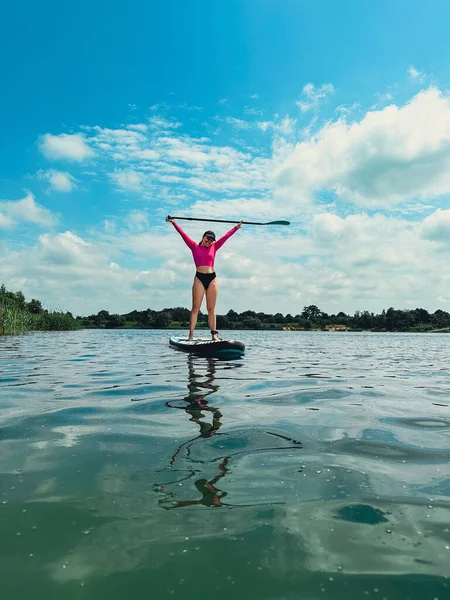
(239, 225)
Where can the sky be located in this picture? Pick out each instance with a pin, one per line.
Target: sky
(332, 115)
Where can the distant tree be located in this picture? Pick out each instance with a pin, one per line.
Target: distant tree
(246, 314)
(440, 319)
(421, 316)
(223, 322)
(144, 319)
(251, 323)
(265, 318)
(232, 315)
(114, 321)
(202, 318)
(379, 321)
(390, 319)
(180, 314)
(163, 319)
(363, 320)
(311, 312)
(342, 318)
(101, 318)
(20, 299)
(35, 306)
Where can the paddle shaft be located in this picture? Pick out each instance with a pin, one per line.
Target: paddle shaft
(224, 221)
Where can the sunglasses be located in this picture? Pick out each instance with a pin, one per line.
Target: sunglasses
(209, 238)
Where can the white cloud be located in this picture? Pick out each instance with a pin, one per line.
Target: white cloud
(250, 110)
(137, 220)
(24, 210)
(286, 126)
(416, 75)
(64, 249)
(390, 156)
(5, 221)
(59, 181)
(385, 98)
(69, 272)
(163, 123)
(138, 127)
(312, 95)
(154, 160)
(123, 145)
(127, 179)
(186, 107)
(237, 123)
(436, 226)
(65, 147)
(264, 125)
(255, 209)
(109, 226)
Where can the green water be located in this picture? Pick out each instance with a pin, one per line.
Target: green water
(317, 466)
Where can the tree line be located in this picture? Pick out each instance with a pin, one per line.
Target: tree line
(17, 315)
(311, 318)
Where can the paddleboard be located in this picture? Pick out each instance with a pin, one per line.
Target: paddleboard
(208, 347)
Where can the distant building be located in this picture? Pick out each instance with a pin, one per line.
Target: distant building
(336, 327)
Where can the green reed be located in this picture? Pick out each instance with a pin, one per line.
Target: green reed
(12, 318)
(15, 320)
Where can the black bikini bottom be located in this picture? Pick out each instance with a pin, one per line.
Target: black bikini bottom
(205, 278)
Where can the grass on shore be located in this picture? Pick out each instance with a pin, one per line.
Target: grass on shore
(15, 320)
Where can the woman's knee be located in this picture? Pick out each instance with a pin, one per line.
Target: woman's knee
(195, 310)
(211, 311)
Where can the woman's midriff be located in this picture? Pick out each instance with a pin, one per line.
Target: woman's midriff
(205, 269)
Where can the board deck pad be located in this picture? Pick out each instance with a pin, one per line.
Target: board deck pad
(208, 346)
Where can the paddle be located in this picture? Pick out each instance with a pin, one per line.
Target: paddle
(236, 221)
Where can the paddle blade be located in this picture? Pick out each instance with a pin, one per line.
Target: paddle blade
(269, 223)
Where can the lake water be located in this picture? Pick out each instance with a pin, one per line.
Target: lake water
(317, 466)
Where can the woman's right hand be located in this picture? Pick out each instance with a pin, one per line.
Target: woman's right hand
(170, 219)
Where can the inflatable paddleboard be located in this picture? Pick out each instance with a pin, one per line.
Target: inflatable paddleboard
(209, 347)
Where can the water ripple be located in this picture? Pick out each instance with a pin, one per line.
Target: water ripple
(318, 464)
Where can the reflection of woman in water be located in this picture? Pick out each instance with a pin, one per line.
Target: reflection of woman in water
(196, 398)
(197, 405)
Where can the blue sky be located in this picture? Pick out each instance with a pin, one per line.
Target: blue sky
(332, 115)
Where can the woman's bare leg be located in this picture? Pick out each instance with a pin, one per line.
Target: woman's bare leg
(198, 291)
(211, 299)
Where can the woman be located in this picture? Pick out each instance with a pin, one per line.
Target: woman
(205, 281)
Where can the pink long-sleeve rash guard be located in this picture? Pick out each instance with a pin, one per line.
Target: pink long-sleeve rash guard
(203, 256)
